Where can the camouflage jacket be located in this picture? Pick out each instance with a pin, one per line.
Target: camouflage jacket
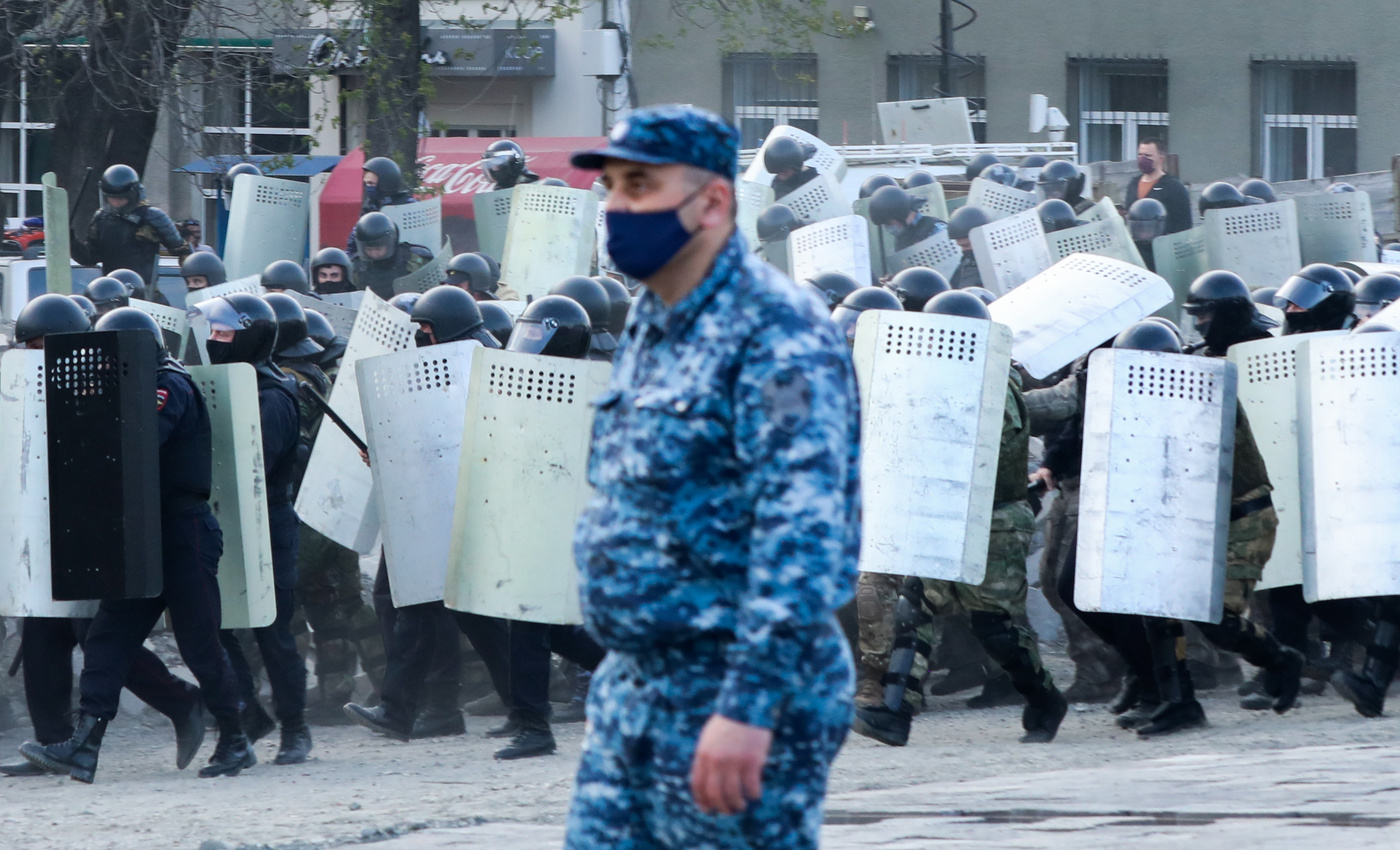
(725, 462)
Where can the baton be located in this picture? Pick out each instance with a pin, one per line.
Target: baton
(320, 401)
(78, 198)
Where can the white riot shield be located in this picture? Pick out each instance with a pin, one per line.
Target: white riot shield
(342, 318)
(1347, 434)
(999, 201)
(551, 236)
(776, 254)
(26, 585)
(492, 211)
(239, 494)
(267, 222)
(826, 159)
(1074, 305)
(1011, 251)
(1102, 210)
(419, 223)
(524, 454)
(425, 277)
(415, 402)
(1268, 391)
(174, 323)
(933, 121)
(336, 496)
(937, 252)
(1259, 243)
(835, 245)
(345, 299)
(1154, 486)
(932, 396)
(751, 200)
(818, 199)
(1180, 258)
(1391, 258)
(880, 242)
(1106, 237)
(1336, 227)
(251, 283)
(936, 204)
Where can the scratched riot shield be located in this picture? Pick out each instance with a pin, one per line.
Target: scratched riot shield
(1107, 237)
(999, 201)
(239, 494)
(104, 465)
(267, 221)
(551, 236)
(174, 324)
(1259, 243)
(932, 396)
(342, 318)
(1336, 227)
(419, 223)
(818, 199)
(1347, 433)
(826, 160)
(430, 274)
(1010, 251)
(524, 453)
(415, 402)
(492, 211)
(1071, 307)
(336, 496)
(834, 245)
(751, 199)
(1154, 486)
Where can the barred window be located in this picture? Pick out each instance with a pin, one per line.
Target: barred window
(1119, 102)
(1306, 113)
(762, 90)
(918, 77)
(250, 110)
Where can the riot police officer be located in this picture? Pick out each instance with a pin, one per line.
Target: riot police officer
(960, 226)
(979, 163)
(382, 258)
(776, 223)
(505, 163)
(914, 286)
(136, 287)
(785, 158)
(1220, 196)
(898, 212)
(1318, 297)
(330, 272)
(847, 313)
(1056, 215)
(874, 183)
(1374, 293)
(107, 294)
(619, 302)
(126, 232)
(1147, 219)
(477, 274)
(1062, 179)
(593, 298)
(497, 321)
(284, 275)
(830, 288)
(383, 185)
(202, 270)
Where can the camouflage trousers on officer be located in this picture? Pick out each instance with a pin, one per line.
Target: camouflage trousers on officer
(645, 713)
(1249, 546)
(343, 626)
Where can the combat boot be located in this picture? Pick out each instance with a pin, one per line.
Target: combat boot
(1179, 708)
(1129, 696)
(438, 724)
(1042, 716)
(508, 729)
(296, 743)
(490, 705)
(257, 723)
(189, 733)
(76, 756)
(997, 691)
(22, 768)
(1367, 690)
(879, 723)
(576, 710)
(533, 739)
(377, 720)
(232, 754)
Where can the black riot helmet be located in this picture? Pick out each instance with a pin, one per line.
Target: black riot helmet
(89, 309)
(205, 264)
(1376, 292)
(1340, 188)
(1352, 274)
(1220, 196)
(50, 313)
(504, 163)
(390, 185)
(1149, 336)
(122, 181)
(914, 286)
(469, 271)
(1147, 219)
(964, 220)
(914, 179)
(135, 284)
(107, 294)
(293, 339)
(999, 172)
(875, 181)
(405, 300)
(554, 181)
(1061, 179)
(1264, 295)
(1223, 310)
(1168, 324)
(832, 287)
(978, 164)
(253, 323)
(319, 328)
(496, 321)
(776, 223)
(377, 230)
(1374, 327)
(865, 298)
(591, 296)
(986, 295)
(331, 257)
(1056, 214)
(1035, 160)
(553, 325)
(452, 314)
(619, 302)
(958, 302)
(283, 275)
(785, 154)
(240, 168)
(1256, 188)
(132, 319)
(892, 205)
(1325, 296)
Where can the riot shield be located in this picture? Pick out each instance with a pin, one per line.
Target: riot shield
(419, 223)
(345, 299)
(1102, 210)
(1180, 258)
(1336, 227)
(818, 199)
(932, 397)
(198, 326)
(492, 211)
(826, 159)
(834, 245)
(1259, 243)
(174, 324)
(1154, 486)
(935, 204)
(239, 494)
(104, 465)
(999, 201)
(415, 402)
(1073, 306)
(776, 253)
(1106, 237)
(430, 274)
(342, 318)
(251, 284)
(751, 199)
(524, 454)
(26, 584)
(1010, 251)
(57, 252)
(266, 222)
(932, 121)
(880, 242)
(336, 496)
(550, 237)
(1347, 434)
(937, 252)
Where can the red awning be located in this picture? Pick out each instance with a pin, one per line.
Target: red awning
(451, 167)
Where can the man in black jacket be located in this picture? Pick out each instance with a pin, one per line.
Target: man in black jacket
(127, 232)
(1159, 185)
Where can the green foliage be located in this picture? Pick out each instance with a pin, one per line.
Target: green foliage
(767, 26)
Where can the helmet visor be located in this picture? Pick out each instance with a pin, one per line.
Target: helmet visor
(532, 337)
(1301, 291)
(845, 319)
(1145, 230)
(221, 315)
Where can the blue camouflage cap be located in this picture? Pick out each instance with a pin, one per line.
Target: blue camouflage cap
(661, 135)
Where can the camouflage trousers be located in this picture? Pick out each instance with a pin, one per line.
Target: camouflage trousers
(342, 625)
(645, 713)
(1248, 548)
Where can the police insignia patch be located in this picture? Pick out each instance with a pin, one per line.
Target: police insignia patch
(787, 400)
(161, 397)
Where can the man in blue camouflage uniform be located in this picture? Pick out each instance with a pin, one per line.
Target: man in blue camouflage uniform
(724, 528)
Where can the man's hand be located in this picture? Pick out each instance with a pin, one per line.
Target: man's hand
(728, 768)
(1043, 474)
(364, 456)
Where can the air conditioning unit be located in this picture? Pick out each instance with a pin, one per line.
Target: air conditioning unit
(600, 52)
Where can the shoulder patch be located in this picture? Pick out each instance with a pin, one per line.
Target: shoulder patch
(162, 396)
(787, 400)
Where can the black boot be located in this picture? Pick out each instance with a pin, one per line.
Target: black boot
(1367, 690)
(1129, 696)
(257, 723)
(881, 724)
(1042, 715)
(508, 729)
(576, 709)
(22, 768)
(533, 739)
(76, 756)
(1179, 708)
(438, 724)
(296, 744)
(1282, 666)
(377, 720)
(189, 733)
(996, 692)
(232, 754)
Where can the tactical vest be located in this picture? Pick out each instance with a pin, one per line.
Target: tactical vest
(1014, 460)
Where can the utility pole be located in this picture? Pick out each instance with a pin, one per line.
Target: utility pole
(945, 62)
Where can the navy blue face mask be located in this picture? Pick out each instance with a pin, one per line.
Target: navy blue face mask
(640, 244)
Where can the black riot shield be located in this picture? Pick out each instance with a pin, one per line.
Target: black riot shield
(104, 465)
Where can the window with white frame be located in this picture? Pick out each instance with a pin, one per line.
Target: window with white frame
(1307, 119)
(1119, 102)
(250, 110)
(26, 144)
(919, 77)
(762, 91)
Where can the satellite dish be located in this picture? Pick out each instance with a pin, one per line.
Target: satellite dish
(1039, 104)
